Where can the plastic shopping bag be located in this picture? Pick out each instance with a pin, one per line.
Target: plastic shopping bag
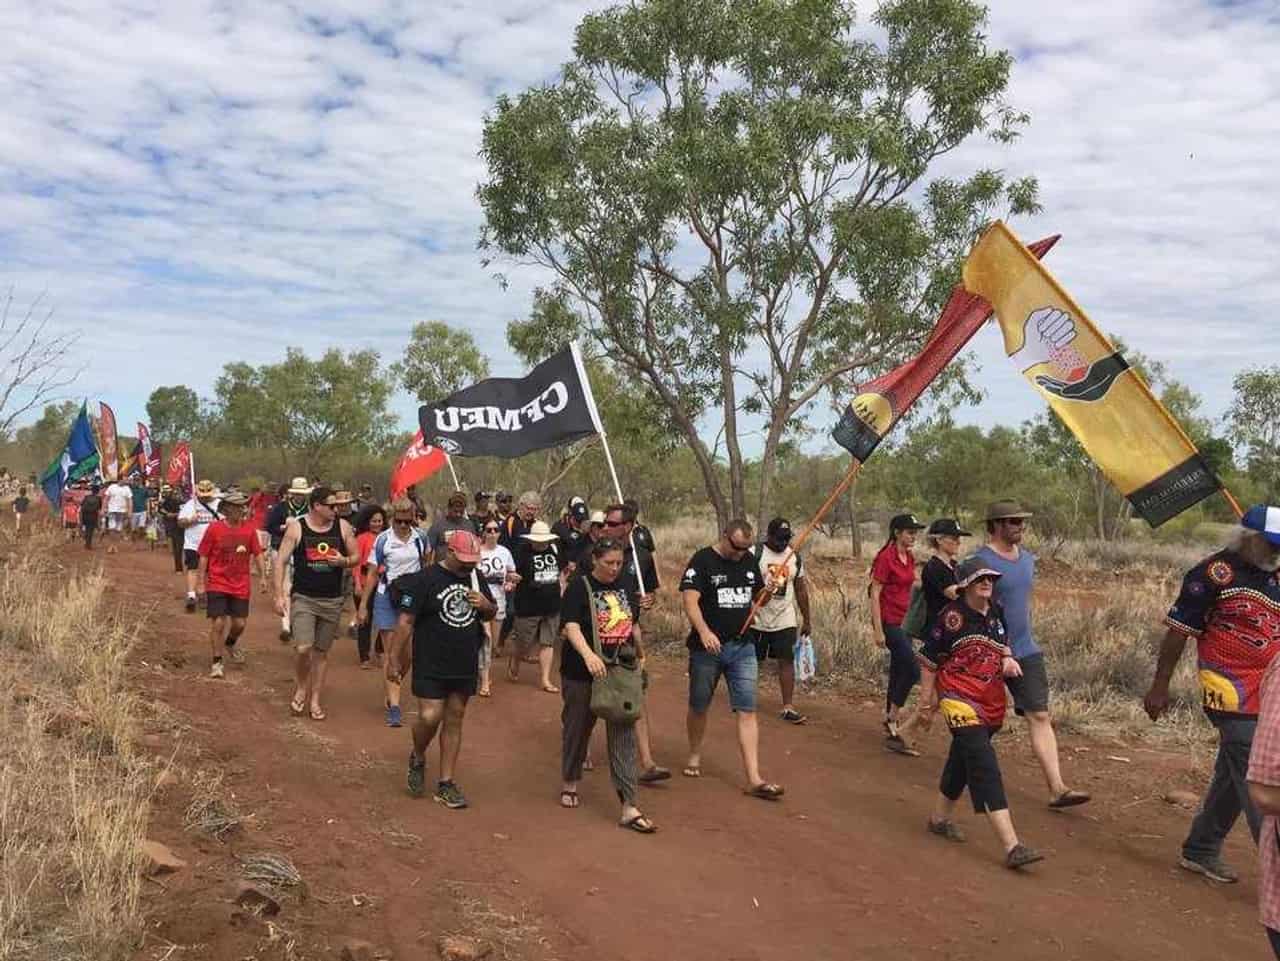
(806, 662)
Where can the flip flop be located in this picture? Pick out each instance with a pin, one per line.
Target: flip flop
(572, 801)
(1069, 799)
(317, 714)
(640, 824)
(484, 693)
(766, 791)
(653, 775)
(692, 772)
(297, 707)
(550, 689)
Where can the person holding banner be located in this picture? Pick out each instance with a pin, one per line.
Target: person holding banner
(1230, 604)
(717, 588)
(775, 626)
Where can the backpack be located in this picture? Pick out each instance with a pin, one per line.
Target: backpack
(917, 613)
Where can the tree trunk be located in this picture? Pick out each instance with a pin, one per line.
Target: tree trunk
(855, 536)
(1100, 503)
(768, 467)
(737, 486)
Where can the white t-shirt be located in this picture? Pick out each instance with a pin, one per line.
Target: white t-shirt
(119, 499)
(495, 564)
(396, 557)
(779, 613)
(203, 515)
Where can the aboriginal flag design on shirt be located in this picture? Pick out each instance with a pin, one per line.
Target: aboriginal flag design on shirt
(1232, 609)
(966, 648)
(614, 621)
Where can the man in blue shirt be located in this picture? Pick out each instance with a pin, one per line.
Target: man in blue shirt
(1006, 523)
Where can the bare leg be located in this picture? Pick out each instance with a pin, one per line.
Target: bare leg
(787, 683)
(643, 748)
(455, 708)
(430, 713)
(392, 692)
(192, 581)
(301, 674)
(546, 655)
(749, 746)
(1044, 745)
(218, 628)
(696, 724)
(319, 667)
(1002, 824)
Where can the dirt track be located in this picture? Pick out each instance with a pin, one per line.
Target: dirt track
(841, 869)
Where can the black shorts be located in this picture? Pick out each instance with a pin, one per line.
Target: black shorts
(779, 645)
(218, 604)
(191, 559)
(439, 688)
(1031, 691)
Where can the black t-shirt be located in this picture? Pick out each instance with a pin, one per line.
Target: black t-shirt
(725, 589)
(538, 593)
(20, 504)
(571, 540)
(627, 576)
(610, 605)
(447, 630)
(511, 536)
(90, 508)
(644, 538)
(936, 575)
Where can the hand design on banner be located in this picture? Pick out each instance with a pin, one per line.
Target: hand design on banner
(1046, 339)
(1097, 380)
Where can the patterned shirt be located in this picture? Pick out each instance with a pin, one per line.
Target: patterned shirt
(966, 648)
(1264, 768)
(1232, 609)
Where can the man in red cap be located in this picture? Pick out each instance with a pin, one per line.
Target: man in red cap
(443, 608)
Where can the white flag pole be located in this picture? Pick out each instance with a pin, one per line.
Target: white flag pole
(449, 460)
(608, 454)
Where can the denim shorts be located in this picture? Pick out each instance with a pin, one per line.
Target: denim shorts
(385, 616)
(737, 662)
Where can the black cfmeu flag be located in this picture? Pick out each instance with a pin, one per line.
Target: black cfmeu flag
(511, 416)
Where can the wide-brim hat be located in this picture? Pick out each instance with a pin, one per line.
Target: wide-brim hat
(235, 498)
(343, 497)
(971, 568)
(597, 518)
(1007, 510)
(299, 485)
(540, 533)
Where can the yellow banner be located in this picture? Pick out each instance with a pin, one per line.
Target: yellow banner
(1088, 383)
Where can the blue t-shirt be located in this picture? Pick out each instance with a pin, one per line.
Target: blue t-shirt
(1013, 593)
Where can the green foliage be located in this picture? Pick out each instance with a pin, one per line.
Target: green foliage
(708, 176)
(1254, 419)
(439, 361)
(35, 446)
(305, 411)
(173, 413)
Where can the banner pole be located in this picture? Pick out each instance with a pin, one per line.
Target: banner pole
(191, 462)
(1235, 504)
(449, 460)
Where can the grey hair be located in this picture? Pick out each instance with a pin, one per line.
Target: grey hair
(530, 499)
(1254, 547)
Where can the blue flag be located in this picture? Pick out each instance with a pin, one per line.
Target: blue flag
(78, 458)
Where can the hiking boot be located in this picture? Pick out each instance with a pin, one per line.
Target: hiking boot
(1020, 856)
(216, 670)
(792, 716)
(191, 604)
(947, 828)
(1214, 868)
(237, 655)
(393, 715)
(450, 795)
(417, 777)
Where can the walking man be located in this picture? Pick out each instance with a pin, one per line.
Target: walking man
(293, 505)
(455, 519)
(139, 495)
(119, 507)
(194, 519)
(1230, 604)
(718, 586)
(443, 608)
(229, 547)
(90, 512)
(775, 624)
(322, 547)
(1003, 552)
(170, 507)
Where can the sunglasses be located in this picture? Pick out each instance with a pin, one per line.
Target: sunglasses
(984, 579)
(402, 520)
(492, 530)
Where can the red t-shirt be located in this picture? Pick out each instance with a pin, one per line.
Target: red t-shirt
(229, 550)
(364, 544)
(896, 579)
(259, 505)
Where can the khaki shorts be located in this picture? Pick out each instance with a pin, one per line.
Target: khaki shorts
(314, 621)
(530, 632)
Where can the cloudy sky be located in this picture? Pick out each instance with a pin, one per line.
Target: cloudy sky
(201, 181)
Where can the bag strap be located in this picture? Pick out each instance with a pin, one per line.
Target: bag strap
(595, 624)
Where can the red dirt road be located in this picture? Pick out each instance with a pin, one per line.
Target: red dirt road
(841, 869)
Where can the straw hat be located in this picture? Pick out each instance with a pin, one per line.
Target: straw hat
(235, 498)
(299, 485)
(540, 533)
(206, 488)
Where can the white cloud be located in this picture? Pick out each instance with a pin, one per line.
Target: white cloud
(216, 180)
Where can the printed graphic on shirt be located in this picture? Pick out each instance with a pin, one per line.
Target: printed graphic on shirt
(455, 609)
(319, 552)
(728, 598)
(958, 713)
(614, 620)
(546, 568)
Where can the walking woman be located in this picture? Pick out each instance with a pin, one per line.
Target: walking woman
(893, 573)
(968, 647)
(596, 614)
(939, 588)
(498, 568)
(370, 522)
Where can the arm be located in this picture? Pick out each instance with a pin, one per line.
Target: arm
(573, 631)
(877, 627)
(802, 601)
(288, 544)
(366, 593)
(399, 646)
(1157, 700)
(697, 622)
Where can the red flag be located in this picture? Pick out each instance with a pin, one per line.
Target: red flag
(880, 402)
(419, 461)
(150, 454)
(179, 463)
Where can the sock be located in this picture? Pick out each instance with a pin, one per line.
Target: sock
(191, 594)
(233, 637)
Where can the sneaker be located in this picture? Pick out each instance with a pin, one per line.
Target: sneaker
(237, 655)
(450, 795)
(216, 670)
(191, 604)
(899, 746)
(1215, 869)
(792, 716)
(1020, 856)
(948, 829)
(393, 715)
(417, 778)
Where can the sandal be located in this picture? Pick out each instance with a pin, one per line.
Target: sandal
(898, 746)
(640, 824)
(692, 771)
(588, 765)
(766, 791)
(653, 775)
(317, 714)
(485, 693)
(550, 689)
(1069, 799)
(298, 707)
(569, 799)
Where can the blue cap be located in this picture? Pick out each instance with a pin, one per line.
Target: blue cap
(1265, 520)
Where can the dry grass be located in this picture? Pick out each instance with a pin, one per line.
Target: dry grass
(73, 790)
(483, 922)
(209, 812)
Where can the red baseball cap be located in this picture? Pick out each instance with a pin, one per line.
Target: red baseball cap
(465, 546)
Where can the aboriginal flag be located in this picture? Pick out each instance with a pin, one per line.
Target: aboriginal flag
(1127, 432)
(881, 402)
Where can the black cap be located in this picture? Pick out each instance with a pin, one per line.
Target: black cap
(579, 511)
(904, 522)
(779, 530)
(947, 526)
(481, 496)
